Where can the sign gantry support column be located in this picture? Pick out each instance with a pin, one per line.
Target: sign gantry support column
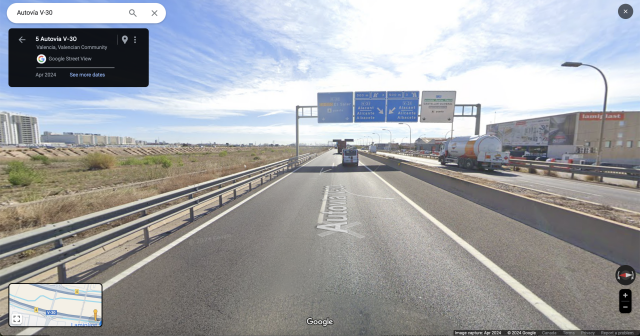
(474, 113)
(300, 114)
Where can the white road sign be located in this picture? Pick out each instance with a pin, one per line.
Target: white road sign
(437, 106)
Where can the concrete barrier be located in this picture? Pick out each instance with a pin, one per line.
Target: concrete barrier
(617, 242)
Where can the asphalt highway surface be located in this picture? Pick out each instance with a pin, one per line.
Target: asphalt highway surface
(364, 250)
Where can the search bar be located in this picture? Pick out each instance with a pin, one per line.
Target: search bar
(86, 13)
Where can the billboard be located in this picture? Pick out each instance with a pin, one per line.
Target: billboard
(556, 130)
(562, 129)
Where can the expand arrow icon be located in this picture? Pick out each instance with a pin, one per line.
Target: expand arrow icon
(20, 39)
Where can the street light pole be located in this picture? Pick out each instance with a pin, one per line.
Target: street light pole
(409, 133)
(445, 135)
(384, 129)
(378, 138)
(604, 108)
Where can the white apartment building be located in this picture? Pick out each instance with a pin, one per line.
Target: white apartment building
(18, 129)
(86, 139)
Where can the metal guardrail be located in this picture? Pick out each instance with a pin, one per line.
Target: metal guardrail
(600, 171)
(55, 233)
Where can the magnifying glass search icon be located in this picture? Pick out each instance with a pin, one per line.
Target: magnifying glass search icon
(132, 12)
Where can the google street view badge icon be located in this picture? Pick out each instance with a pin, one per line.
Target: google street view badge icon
(42, 58)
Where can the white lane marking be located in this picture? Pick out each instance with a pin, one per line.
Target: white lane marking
(320, 170)
(140, 264)
(537, 302)
(324, 204)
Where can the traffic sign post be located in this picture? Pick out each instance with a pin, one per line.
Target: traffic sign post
(335, 107)
(438, 106)
(402, 106)
(370, 106)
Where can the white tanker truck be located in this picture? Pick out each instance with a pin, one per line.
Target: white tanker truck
(474, 152)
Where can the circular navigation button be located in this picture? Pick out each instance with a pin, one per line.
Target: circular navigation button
(625, 275)
(625, 11)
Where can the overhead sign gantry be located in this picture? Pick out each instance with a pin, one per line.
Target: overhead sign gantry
(386, 106)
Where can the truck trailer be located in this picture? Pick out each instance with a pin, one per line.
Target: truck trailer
(474, 152)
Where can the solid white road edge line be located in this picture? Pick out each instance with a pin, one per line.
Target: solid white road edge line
(142, 263)
(537, 303)
(323, 206)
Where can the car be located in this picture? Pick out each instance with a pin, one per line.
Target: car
(541, 158)
(349, 157)
(530, 157)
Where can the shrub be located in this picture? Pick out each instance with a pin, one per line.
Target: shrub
(24, 177)
(99, 161)
(256, 158)
(158, 160)
(20, 174)
(44, 159)
(591, 178)
(131, 162)
(532, 170)
(15, 165)
(223, 154)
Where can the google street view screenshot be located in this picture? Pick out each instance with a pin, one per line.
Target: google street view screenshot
(320, 167)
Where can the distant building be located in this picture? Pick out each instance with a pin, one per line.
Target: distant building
(71, 138)
(18, 129)
(429, 144)
(575, 133)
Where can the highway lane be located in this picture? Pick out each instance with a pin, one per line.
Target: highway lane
(621, 197)
(394, 272)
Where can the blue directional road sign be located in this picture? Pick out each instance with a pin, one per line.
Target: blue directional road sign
(335, 107)
(370, 106)
(402, 106)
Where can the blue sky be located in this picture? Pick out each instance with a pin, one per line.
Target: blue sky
(233, 71)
